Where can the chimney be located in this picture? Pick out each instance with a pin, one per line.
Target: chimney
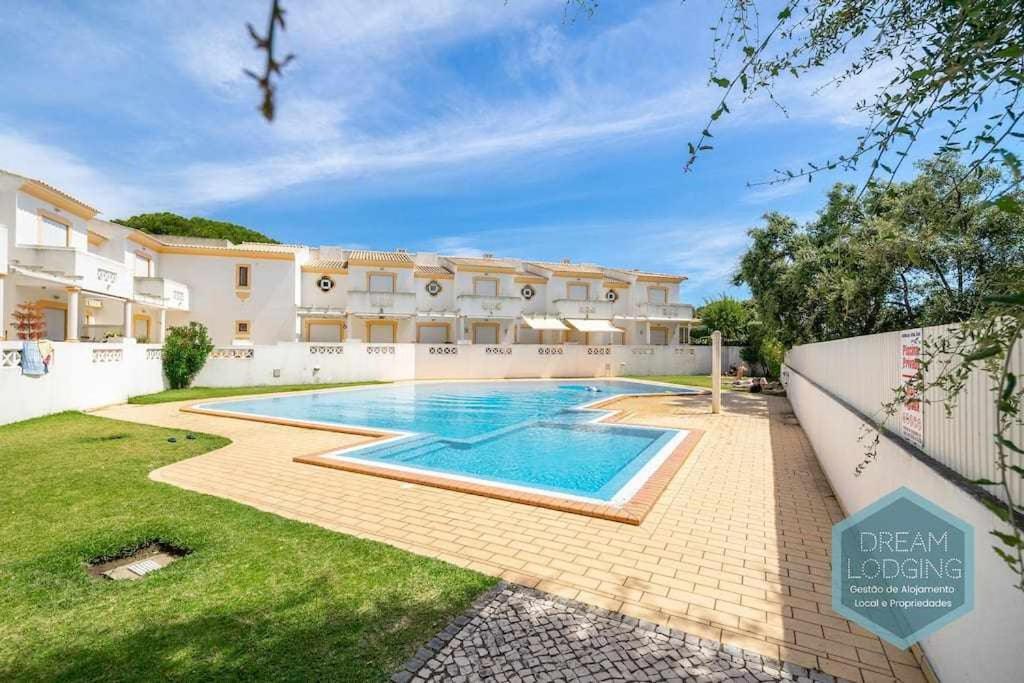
(565, 260)
(488, 255)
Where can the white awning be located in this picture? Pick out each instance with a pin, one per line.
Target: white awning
(544, 323)
(593, 325)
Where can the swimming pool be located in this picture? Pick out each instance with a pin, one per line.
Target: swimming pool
(531, 436)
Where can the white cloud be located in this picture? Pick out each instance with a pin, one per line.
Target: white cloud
(72, 175)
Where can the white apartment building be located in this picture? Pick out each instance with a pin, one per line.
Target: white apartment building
(96, 281)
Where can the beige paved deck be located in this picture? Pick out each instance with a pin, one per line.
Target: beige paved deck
(736, 549)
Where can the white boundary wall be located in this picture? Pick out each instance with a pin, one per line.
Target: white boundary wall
(303, 363)
(984, 645)
(864, 371)
(82, 377)
(86, 376)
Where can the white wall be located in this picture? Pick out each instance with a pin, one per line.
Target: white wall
(82, 377)
(305, 363)
(984, 645)
(269, 306)
(865, 370)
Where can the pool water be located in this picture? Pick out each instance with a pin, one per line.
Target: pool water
(522, 434)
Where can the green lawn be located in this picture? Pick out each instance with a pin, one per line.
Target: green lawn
(196, 393)
(689, 380)
(260, 597)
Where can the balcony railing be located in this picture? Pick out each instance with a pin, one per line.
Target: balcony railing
(89, 271)
(583, 308)
(381, 303)
(163, 292)
(481, 306)
(666, 311)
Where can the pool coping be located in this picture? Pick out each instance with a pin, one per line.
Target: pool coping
(633, 511)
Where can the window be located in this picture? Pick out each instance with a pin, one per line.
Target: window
(578, 291)
(54, 231)
(380, 331)
(485, 286)
(432, 333)
(243, 276)
(657, 295)
(659, 336)
(381, 282)
(485, 333)
(143, 265)
(243, 329)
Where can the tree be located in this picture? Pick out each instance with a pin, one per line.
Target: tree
(961, 61)
(166, 223)
(185, 353)
(729, 316)
(917, 253)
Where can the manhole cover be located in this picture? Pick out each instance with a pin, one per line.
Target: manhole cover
(136, 562)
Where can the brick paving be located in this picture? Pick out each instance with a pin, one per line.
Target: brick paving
(519, 634)
(736, 549)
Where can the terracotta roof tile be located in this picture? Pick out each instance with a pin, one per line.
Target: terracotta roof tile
(369, 255)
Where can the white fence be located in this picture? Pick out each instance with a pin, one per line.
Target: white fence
(303, 363)
(81, 377)
(864, 371)
(984, 644)
(86, 376)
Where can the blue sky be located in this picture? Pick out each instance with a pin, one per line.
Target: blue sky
(457, 126)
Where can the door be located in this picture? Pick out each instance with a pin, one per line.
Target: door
(141, 328)
(485, 287)
(485, 333)
(56, 323)
(324, 332)
(432, 334)
(381, 333)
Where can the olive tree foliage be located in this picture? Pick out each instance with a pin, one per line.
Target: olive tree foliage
(958, 64)
(925, 252)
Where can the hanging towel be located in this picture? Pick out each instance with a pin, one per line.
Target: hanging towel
(46, 352)
(31, 359)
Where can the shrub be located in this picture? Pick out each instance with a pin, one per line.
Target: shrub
(185, 352)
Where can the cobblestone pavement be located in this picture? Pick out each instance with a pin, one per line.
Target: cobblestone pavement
(515, 633)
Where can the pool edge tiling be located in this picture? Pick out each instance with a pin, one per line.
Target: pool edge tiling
(633, 511)
(634, 500)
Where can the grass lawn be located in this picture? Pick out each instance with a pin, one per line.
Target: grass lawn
(689, 380)
(260, 597)
(196, 393)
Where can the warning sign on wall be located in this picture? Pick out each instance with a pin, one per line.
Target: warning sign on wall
(911, 415)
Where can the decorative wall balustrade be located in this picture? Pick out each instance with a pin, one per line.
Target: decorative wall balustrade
(233, 353)
(326, 349)
(154, 354)
(10, 358)
(107, 355)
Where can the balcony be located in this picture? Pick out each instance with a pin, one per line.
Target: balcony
(583, 308)
(666, 311)
(362, 302)
(160, 291)
(481, 306)
(89, 271)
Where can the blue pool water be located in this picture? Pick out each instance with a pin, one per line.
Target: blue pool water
(526, 434)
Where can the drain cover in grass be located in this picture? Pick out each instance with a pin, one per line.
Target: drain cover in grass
(137, 564)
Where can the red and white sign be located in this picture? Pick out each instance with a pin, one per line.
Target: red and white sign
(911, 415)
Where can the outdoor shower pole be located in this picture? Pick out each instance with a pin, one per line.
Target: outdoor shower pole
(716, 372)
